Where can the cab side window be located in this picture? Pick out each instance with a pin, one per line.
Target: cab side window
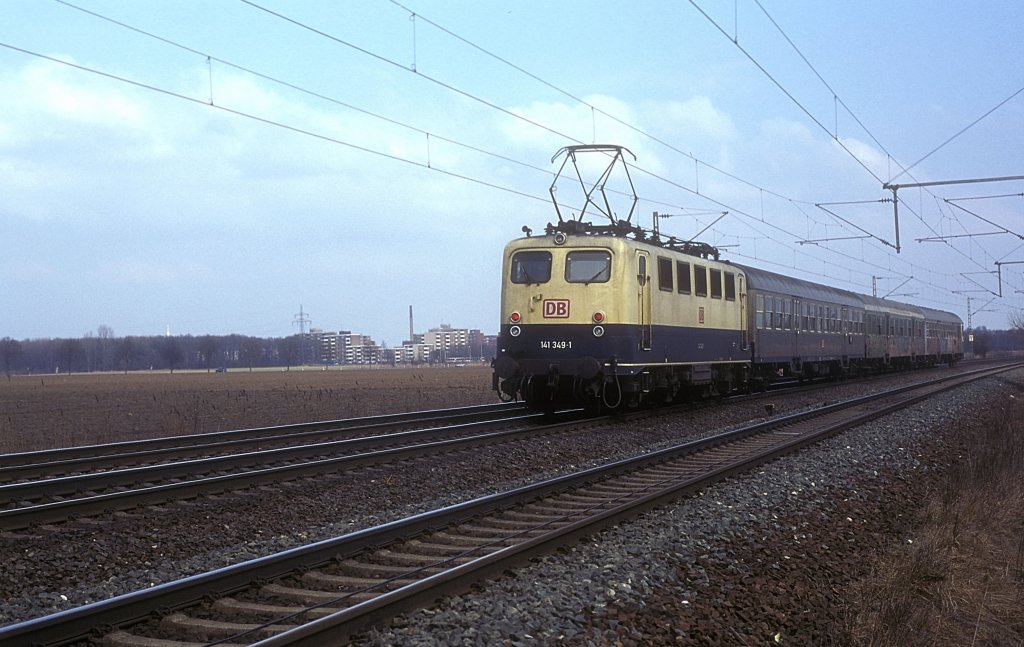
(665, 274)
(531, 267)
(683, 277)
(700, 280)
(716, 284)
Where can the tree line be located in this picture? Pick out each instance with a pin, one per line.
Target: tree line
(103, 351)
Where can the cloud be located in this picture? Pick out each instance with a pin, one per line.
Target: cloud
(48, 89)
(693, 121)
(871, 157)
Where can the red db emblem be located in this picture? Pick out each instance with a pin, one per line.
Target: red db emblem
(556, 308)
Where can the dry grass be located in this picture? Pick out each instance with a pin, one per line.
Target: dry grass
(41, 412)
(961, 580)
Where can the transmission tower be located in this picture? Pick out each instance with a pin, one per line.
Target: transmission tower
(301, 319)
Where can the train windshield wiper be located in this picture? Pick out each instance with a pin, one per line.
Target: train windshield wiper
(595, 277)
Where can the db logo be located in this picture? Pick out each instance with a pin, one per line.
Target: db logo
(556, 309)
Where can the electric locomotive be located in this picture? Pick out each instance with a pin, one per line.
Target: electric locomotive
(608, 316)
(584, 320)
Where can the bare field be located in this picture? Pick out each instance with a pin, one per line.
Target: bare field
(47, 411)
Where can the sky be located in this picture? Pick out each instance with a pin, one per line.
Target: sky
(211, 167)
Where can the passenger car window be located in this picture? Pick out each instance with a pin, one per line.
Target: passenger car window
(531, 267)
(588, 266)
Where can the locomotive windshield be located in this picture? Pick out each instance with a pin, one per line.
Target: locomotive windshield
(588, 267)
(531, 267)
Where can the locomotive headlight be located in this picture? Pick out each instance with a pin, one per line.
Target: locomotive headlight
(514, 331)
(598, 331)
(515, 317)
(598, 317)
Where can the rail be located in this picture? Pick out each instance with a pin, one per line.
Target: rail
(328, 590)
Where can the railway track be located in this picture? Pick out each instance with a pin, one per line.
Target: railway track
(108, 488)
(326, 591)
(51, 463)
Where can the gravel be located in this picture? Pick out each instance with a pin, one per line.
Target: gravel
(759, 559)
(748, 557)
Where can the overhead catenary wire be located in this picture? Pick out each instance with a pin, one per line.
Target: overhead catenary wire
(791, 235)
(752, 219)
(249, 70)
(962, 131)
(696, 160)
(267, 121)
(394, 62)
(640, 131)
(420, 74)
(584, 102)
(835, 95)
(778, 84)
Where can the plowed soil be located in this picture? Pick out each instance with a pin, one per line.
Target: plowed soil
(42, 412)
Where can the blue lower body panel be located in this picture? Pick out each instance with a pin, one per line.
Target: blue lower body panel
(575, 350)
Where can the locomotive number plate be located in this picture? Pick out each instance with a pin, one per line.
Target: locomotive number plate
(555, 344)
(556, 308)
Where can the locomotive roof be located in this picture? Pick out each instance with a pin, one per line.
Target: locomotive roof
(695, 252)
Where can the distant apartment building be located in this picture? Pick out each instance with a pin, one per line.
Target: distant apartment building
(438, 345)
(410, 353)
(320, 347)
(344, 347)
(447, 339)
(447, 344)
(359, 349)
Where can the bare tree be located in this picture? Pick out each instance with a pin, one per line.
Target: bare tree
(252, 349)
(88, 342)
(209, 349)
(104, 347)
(10, 349)
(126, 353)
(170, 351)
(289, 351)
(1016, 319)
(69, 353)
